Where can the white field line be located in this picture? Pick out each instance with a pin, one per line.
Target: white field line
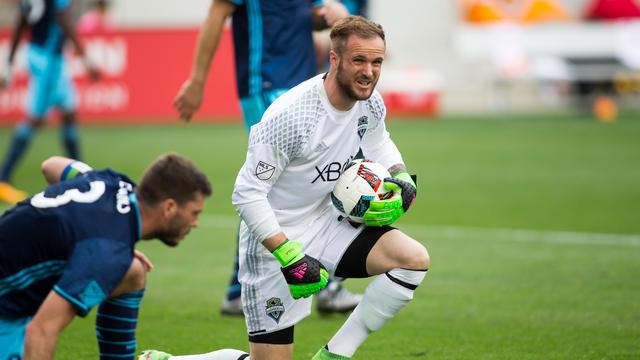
(463, 232)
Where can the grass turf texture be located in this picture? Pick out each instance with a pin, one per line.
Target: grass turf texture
(532, 225)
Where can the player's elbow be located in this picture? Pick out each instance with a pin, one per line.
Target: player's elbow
(241, 198)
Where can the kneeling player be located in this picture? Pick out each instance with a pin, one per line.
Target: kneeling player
(71, 247)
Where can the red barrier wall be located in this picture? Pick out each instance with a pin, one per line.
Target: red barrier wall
(142, 71)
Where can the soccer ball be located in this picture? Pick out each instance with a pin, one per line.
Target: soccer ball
(359, 183)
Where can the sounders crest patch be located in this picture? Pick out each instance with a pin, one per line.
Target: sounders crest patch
(275, 309)
(363, 124)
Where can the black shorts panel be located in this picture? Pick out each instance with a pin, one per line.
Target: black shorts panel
(280, 337)
(353, 263)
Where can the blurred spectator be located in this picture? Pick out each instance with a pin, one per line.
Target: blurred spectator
(96, 19)
(603, 102)
(321, 41)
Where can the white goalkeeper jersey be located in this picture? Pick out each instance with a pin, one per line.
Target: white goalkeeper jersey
(297, 152)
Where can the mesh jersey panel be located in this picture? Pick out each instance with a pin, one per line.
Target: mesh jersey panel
(375, 104)
(291, 129)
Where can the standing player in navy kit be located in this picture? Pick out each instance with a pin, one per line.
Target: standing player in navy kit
(50, 85)
(274, 52)
(71, 247)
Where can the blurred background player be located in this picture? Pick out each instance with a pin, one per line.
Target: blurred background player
(71, 247)
(274, 51)
(50, 26)
(321, 40)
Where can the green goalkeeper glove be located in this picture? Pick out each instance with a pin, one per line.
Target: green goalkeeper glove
(305, 275)
(386, 212)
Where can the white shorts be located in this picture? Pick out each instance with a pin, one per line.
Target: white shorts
(267, 303)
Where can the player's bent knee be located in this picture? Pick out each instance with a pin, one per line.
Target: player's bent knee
(137, 275)
(416, 259)
(135, 279)
(421, 261)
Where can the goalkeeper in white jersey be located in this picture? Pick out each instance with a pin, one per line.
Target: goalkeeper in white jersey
(291, 236)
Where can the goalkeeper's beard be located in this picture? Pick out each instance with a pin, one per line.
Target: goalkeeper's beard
(346, 85)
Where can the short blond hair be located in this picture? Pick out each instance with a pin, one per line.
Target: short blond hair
(353, 25)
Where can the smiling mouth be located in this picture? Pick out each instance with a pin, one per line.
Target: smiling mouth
(363, 82)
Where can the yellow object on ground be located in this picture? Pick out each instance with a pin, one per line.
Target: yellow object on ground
(11, 195)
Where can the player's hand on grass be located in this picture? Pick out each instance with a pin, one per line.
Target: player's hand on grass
(305, 275)
(386, 212)
(189, 98)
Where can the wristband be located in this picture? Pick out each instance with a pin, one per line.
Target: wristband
(288, 252)
(74, 169)
(405, 177)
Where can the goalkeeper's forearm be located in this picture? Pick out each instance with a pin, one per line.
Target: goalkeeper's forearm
(397, 169)
(272, 242)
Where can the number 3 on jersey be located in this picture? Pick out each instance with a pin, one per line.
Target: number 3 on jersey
(94, 193)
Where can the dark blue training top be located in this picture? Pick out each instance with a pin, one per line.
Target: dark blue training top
(41, 17)
(76, 237)
(273, 44)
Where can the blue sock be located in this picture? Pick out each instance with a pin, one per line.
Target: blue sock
(116, 323)
(21, 139)
(234, 289)
(70, 140)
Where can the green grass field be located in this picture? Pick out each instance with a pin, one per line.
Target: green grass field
(532, 224)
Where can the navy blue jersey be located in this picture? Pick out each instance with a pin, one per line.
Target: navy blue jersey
(76, 237)
(41, 17)
(273, 44)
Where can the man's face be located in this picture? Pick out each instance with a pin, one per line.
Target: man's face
(181, 220)
(358, 69)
